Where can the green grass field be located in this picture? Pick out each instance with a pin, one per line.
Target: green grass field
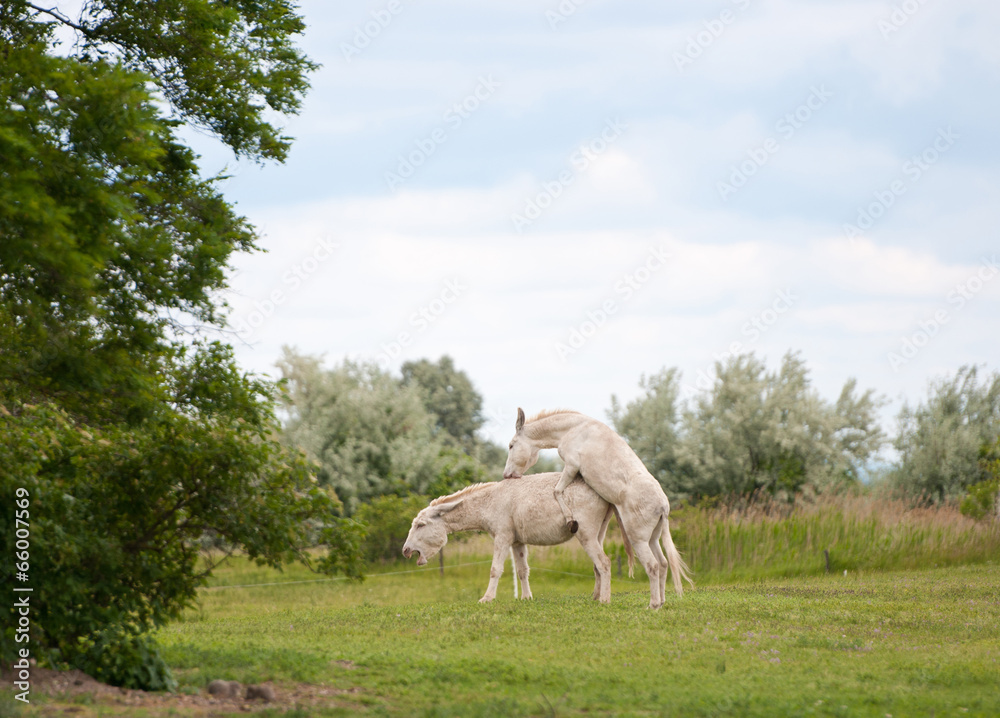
(912, 629)
(899, 643)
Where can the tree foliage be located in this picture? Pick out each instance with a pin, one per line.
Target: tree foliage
(982, 500)
(117, 510)
(753, 431)
(387, 520)
(450, 397)
(132, 439)
(651, 425)
(939, 440)
(224, 67)
(370, 432)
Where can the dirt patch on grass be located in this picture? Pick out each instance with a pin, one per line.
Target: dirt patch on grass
(76, 693)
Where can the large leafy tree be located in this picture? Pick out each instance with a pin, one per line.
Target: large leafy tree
(650, 424)
(450, 396)
(760, 430)
(369, 432)
(132, 440)
(370, 435)
(754, 430)
(940, 440)
(457, 407)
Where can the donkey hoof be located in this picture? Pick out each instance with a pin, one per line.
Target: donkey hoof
(573, 527)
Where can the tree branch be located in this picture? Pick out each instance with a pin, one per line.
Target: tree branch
(54, 12)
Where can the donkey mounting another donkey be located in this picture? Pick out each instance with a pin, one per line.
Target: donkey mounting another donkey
(593, 452)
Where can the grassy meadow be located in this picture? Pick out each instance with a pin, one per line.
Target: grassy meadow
(912, 629)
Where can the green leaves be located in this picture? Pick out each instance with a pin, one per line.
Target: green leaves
(106, 230)
(450, 396)
(939, 440)
(387, 521)
(369, 435)
(135, 446)
(222, 66)
(118, 512)
(753, 430)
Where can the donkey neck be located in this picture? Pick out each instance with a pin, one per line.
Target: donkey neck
(548, 431)
(469, 515)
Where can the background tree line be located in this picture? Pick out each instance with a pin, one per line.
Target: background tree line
(756, 431)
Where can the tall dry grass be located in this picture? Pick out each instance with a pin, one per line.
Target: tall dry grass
(763, 537)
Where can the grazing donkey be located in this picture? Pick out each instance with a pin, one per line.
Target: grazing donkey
(601, 457)
(516, 514)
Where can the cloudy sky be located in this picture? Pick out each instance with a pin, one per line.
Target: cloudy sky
(564, 197)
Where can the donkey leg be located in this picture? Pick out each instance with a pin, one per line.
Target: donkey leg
(601, 533)
(652, 566)
(500, 549)
(565, 479)
(521, 568)
(654, 545)
(602, 567)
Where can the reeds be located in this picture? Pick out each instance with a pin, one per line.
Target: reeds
(762, 537)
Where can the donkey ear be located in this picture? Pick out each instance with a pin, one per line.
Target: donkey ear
(442, 509)
(519, 424)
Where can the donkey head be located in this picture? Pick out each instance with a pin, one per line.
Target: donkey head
(428, 533)
(522, 453)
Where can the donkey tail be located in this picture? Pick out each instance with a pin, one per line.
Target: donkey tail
(678, 569)
(628, 544)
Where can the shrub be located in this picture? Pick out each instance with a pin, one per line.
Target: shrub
(115, 519)
(387, 521)
(980, 501)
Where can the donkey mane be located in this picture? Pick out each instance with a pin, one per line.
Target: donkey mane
(546, 413)
(462, 493)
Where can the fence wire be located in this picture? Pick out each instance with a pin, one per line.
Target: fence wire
(379, 575)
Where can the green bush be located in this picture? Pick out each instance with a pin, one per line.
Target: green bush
(121, 658)
(116, 514)
(387, 521)
(980, 501)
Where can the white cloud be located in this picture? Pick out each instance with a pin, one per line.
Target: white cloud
(655, 186)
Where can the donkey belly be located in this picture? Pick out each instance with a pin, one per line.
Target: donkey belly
(539, 521)
(550, 535)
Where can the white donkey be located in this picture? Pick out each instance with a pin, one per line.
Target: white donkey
(516, 514)
(601, 457)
